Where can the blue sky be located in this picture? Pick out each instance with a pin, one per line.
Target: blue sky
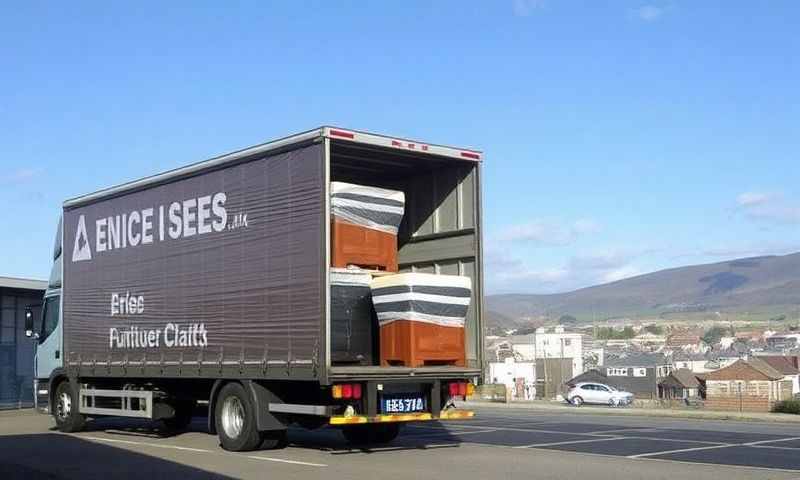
(621, 137)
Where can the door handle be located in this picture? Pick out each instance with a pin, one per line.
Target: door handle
(58, 354)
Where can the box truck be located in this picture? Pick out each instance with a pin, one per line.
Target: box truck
(212, 283)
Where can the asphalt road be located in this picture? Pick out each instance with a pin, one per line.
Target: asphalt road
(499, 443)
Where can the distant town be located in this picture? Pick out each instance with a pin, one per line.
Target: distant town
(722, 365)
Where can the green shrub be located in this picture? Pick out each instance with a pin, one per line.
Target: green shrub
(787, 406)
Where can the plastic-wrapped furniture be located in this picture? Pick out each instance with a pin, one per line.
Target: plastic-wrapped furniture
(364, 226)
(353, 323)
(421, 318)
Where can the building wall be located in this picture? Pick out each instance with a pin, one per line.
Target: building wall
(16, 350)
(553, 345)
(645, 387)
(508, 373)
(746, 395)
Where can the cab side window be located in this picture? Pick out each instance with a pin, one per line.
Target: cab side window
(52, 309)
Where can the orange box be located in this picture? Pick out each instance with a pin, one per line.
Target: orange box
(416, 344)
(361, 246)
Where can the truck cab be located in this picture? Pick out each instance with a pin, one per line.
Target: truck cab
(47, 330)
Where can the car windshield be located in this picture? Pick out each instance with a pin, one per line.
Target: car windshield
(611, 388)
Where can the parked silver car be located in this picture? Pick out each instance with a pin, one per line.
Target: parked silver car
(597, 393)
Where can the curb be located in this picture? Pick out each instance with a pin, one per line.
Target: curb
(637, 412)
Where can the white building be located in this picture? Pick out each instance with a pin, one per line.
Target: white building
(550, 344)
(518, 377)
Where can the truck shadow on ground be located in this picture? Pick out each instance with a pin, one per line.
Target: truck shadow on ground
(56, 456)
(328, 439)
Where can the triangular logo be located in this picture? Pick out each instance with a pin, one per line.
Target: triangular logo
(81, 250)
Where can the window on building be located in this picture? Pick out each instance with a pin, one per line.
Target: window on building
(664, 370)
(617, 372)
(639, 372)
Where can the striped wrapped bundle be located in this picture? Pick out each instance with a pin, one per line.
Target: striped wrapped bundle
(364, 226)
(421, 318)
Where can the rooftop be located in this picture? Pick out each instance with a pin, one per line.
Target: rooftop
(22, 283)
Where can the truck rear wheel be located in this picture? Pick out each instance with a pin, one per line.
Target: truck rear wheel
(370, 434)
(65, 409)
(235, 419)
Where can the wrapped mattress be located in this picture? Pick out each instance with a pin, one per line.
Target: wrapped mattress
(421, 318)
(353, 323)
(364, 224)
(370, 207)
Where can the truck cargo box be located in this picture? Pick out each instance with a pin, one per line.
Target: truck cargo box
(222, 268)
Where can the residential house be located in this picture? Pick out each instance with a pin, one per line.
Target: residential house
(783, 342)
(695, 362)
(638, 373)
(685, 340)
(681, 384)
(786, 366)
(746, 385)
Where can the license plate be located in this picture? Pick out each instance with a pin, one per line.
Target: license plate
(403, 403)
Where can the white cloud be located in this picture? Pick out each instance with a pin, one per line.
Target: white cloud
(507, 273)
(749, 199)
(768, 207)
(649, 13)
(621, 273)
(544, 232)
(523, 8)
(20, 175)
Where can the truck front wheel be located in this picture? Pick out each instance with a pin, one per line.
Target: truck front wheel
(376, 433)
(236, 419)
(65, 409)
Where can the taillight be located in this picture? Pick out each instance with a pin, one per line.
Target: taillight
(453, 389)
(460, 389)
(347, 391)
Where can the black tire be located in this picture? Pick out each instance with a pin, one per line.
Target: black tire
(184, 410)
(235, 419)
(65, 409)
(371, 434)
(577, 401)
(274, 440)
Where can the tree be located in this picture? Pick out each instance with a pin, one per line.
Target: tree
(713, 335)
(567, 320)
(654, 329)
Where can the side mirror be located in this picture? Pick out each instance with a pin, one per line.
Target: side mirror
(28, 322)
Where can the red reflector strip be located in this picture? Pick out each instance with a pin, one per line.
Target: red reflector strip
(471, 155)
(341, 133)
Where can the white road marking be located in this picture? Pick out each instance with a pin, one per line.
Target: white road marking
(156, 445)
(626, 430)
(446, 432)
(761, 442)
(281, 460)
(681, 450)
(570, 442)
(201, 450)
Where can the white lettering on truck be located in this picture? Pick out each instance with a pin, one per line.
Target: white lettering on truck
(172, 335)
(186, 218)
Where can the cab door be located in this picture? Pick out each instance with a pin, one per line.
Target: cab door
(48, 352)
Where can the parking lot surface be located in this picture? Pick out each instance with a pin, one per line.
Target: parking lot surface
(498, 443)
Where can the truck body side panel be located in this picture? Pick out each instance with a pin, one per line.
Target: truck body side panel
(214, 275)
